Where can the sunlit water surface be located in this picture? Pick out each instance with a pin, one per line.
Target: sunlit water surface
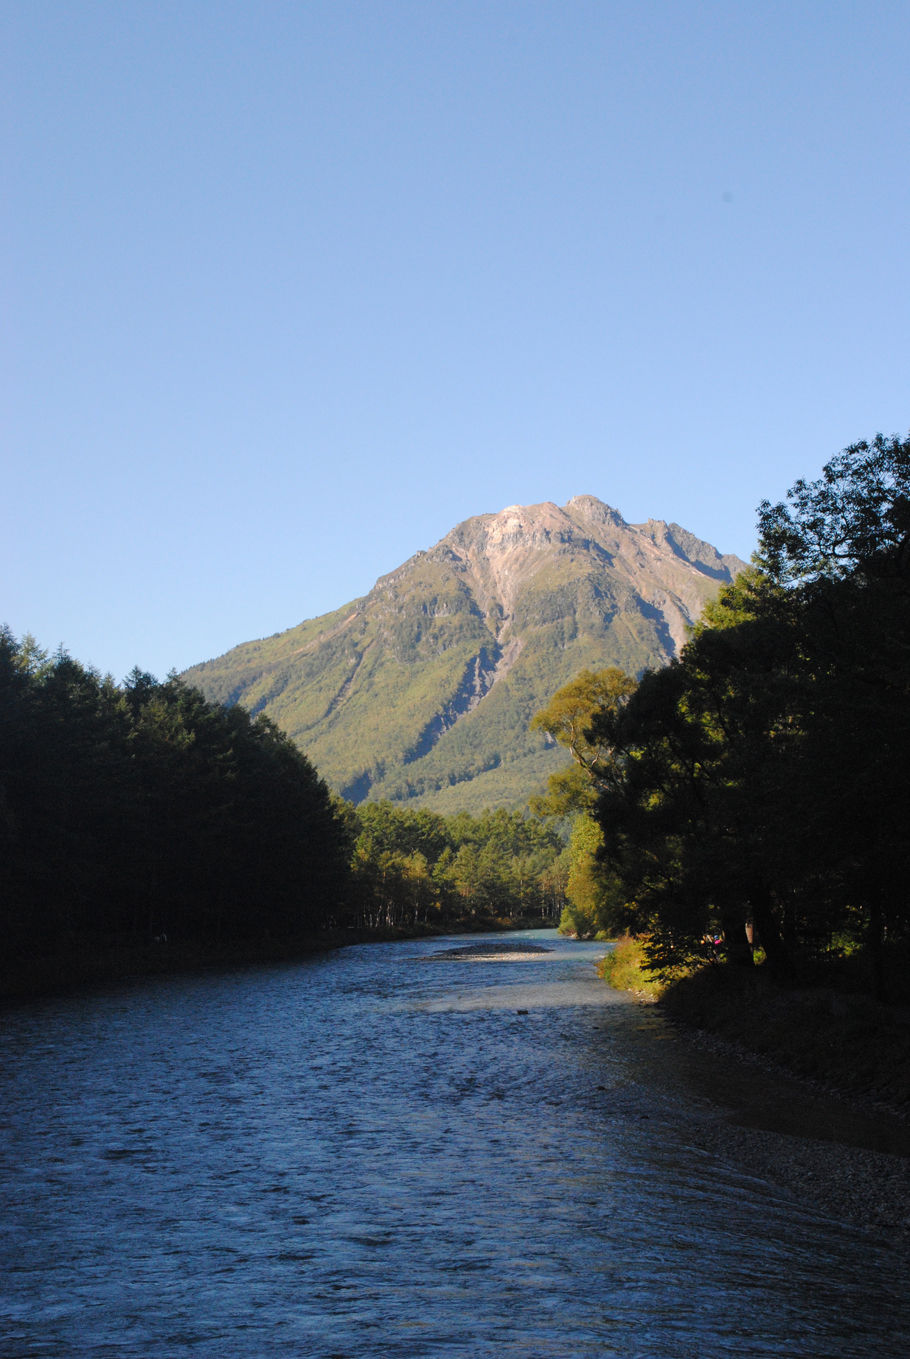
(374, 1153)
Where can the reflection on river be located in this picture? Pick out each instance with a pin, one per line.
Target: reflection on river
(373, 1154)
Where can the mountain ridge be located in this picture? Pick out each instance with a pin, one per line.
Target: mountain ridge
(421, 690)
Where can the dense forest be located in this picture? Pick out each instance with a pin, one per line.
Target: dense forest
(417, 867)
(144, 812)
(750, 800)
(755, 791)
(143, 816)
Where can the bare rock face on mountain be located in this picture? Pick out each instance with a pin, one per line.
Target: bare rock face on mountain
(424, 688)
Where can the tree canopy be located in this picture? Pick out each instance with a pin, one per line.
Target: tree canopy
(758, 787)
(144, 815)
(145, 812)
(414, 867)
(855, 517)
(593, 904)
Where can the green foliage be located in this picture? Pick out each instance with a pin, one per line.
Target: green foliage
(626, 968)
(854, 518)
(757, 786)
(584, 881)
(415, 868)
(134, 813)
(587, 887)
(567, 719)
(594, 904)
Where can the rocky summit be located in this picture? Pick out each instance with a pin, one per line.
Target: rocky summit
(422, 690)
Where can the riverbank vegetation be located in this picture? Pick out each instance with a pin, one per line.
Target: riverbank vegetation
(751, 799)
(416, 868)
(626, 968)
(143, 815)
(143, 827)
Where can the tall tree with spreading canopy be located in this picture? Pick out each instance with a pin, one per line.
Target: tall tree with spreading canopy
(762, 777)
(854, 518)
(593, 904)
(842, 542)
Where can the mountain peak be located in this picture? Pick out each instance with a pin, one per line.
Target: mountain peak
(424, 688)
(589, 507)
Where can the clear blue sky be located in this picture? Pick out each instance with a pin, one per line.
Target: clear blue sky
(290, 289)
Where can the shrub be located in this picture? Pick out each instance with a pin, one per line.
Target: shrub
(625, 968)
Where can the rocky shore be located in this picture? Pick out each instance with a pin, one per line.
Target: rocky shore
(845, 1157)
(805, 1087)
(489, 951)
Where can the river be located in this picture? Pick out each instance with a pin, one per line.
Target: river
(384, 1152)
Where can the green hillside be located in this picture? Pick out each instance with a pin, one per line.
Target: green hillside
(422, 690)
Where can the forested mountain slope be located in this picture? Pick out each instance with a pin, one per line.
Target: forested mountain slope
(423, 689)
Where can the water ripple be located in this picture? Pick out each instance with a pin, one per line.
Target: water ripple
(361, 1156)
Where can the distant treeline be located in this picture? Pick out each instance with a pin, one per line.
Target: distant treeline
(144, 814)
(414, 867)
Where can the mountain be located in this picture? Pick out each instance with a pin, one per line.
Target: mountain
(423, 689)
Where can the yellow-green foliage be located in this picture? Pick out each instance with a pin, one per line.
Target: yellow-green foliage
(586, 887)
(415, 867)
(625, 969)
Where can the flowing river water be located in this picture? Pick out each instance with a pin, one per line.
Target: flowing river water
(381, 1151)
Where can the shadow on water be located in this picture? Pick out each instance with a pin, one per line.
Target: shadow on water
(749, 1094)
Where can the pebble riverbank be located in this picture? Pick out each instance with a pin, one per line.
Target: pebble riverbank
(829, 1163)
(857, 1184)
